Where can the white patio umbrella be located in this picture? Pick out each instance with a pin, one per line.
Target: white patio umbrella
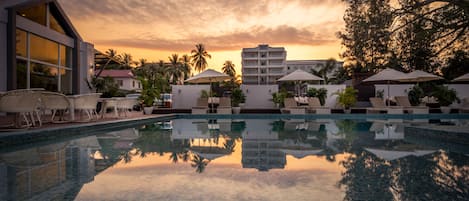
(208, 76)
(390, 155)
(387, 75)
(298, 76)
(462, 78)
(420, 76)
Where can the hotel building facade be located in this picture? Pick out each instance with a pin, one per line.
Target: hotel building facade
(263, 65)
(40, 48)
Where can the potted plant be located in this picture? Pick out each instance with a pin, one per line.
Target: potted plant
(347, 98)
(237, 97)
(415, 95)
(148, 96)
(321, 94)
(445, 97)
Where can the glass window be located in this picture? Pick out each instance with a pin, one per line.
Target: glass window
(34, 13)
(65, 81)
(21, 41)
(43, 76)
(65, 56)
(54, 24)
(44, 50)
(21, 74)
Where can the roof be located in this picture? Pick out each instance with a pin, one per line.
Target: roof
(117, 73)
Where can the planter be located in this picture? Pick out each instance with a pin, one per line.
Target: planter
(148, 110)
(347, 111)
(236, 110)
(445, 109)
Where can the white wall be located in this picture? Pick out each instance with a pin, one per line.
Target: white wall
(331, 100)
(394, 89)
(127, 84)
(86, 71)
(462, 90)
(185, 96)
(259, 96)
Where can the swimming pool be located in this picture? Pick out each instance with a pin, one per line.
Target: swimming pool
(274, 158)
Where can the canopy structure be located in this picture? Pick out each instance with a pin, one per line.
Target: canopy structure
(462, 78)
(420, 76)
(208, 76)
(299, 75)
(387, 75)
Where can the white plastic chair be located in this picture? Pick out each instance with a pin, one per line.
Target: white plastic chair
(25, 103)
(55, 102)
(87, 103)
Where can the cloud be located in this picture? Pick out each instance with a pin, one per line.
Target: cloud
(284, 34)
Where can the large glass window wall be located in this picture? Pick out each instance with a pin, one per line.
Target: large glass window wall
(42, 63)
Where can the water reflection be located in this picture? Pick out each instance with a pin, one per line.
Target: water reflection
(379, 162)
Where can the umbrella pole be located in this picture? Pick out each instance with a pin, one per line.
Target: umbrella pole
(387, 99)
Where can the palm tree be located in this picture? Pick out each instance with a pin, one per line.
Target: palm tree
(199, 163)
(127, 60)
(142, 61)
(175, 69)
(229, 69)
(186, 65)
(329, 66)
(199, 57)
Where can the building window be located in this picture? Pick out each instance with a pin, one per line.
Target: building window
(35, 13)
(288, 67)
(54, 24)
(139, 85)
(42, 63)
(263, 54)
(263, 63)
(120, 83)
(133, 83)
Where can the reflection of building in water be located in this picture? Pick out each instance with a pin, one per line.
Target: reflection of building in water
(51, 172)
(261, 147)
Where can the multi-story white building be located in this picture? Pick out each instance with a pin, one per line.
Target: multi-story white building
(309, 65)
(263, 64)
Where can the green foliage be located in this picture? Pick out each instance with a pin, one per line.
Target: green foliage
(237, 97)
(204, 94)
(107, 86)
(321, 94)
(149, 92)
(348, 97)
(445, 95)
(415, 95)
(280, 96)
(380, 93)
(455, 65)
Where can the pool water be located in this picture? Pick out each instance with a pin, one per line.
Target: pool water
(244, 159)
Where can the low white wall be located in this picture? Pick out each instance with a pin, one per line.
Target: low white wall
(185, 96)
(331, 100)
(462, 90)
(259, 96)
(394, 89)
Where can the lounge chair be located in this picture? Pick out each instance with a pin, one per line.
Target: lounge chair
(87, 103)
(25, 104)
(404, 102)
(224, 106)
(378, 106)
(291, 107)
(314, 106)
(125, 105)
(201, 106)
(56, 103)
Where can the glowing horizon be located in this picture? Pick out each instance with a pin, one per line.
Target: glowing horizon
(154, 30)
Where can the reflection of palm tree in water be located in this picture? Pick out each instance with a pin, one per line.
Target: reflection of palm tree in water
(199, 163)
(230, 145)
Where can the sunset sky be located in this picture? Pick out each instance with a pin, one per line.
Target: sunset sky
(155, 29)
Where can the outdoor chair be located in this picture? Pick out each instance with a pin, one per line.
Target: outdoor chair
(378, 106)
(86, 103)
(291, 107)
(201, 106)
(125, 105)
(314, 106)
(57, 103)
(404, 102)
(25, 104)
(224, 106)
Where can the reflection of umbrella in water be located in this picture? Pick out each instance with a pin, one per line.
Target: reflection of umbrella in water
(387, 75)
(390, 155)
(208, 76)
(462, 78)
(299, 154)
(298, 76)
(209, 153)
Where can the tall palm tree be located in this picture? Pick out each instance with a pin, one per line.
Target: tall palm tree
(229, 69)
(127, 60)
(142, 61)
(186, 65)
(199, 57)
(175, 69)
(199, 163)
(329, 66)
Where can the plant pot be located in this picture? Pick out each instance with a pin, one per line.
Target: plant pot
(347, 111)
(148, 110)
(445, 109)
(236, 110)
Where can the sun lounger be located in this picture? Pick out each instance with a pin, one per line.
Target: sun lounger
(224, 106)
(291, 107)
(314, 106)
(57, 103)
(378, 106)
(24, 103)
(404, 102)
(201, 106)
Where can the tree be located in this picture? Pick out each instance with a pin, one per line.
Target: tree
(329, 67)
(199, 163)
(366, 36)
(127, 60)
(186, 65)
(199, 57)
(142, 61)
(456, 65)
(229, 69)
(175, 69)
